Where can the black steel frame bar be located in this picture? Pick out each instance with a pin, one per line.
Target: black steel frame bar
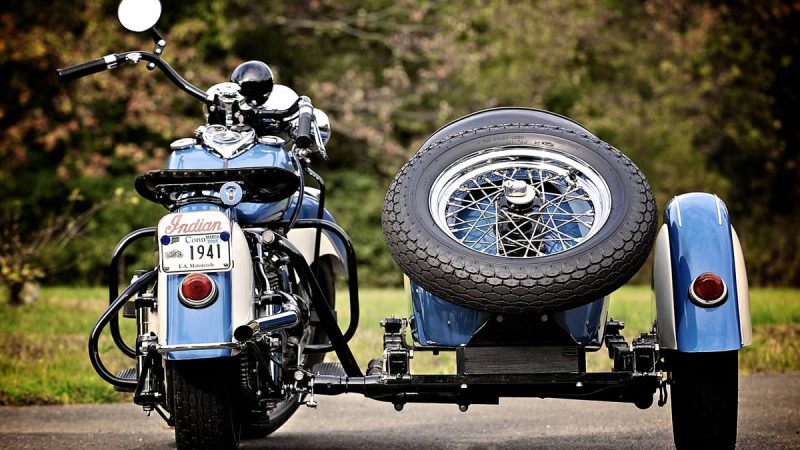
(352, 271)
(323, 309)
(468, 389)
(113, 283)
(107, 317)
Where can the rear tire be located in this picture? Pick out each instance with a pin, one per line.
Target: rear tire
(705, 396)
(203, 406)
(263, 425)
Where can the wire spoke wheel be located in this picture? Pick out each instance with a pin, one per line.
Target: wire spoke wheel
(564, 202)
(519, 211)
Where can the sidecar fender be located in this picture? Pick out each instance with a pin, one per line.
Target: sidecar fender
(697, 237)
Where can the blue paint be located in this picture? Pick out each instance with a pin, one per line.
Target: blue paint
(260, 155)
(196, 326)
(441, 323)
(698, 244)
(584, 322)
(437, 322)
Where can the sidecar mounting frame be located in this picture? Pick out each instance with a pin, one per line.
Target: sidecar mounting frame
(626, 387)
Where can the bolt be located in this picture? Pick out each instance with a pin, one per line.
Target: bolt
(398, 407)
(515, 188)
(463, 408)
(268, 236)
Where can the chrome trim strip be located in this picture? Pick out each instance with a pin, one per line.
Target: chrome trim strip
(719, 209)
(202, 346)
(111, 61)
(678, 210)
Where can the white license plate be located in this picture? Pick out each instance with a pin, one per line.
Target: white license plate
(195, 242)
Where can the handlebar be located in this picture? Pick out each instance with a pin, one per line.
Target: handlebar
(303, 138)
(302, 106)
(113, 60)
(87, 68)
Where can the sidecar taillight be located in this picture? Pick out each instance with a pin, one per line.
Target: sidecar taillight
(708, 290)
(198, 290)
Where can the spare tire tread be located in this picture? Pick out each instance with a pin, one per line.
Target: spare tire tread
(559, 285)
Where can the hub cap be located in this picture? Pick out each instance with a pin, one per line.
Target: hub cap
(520, 202)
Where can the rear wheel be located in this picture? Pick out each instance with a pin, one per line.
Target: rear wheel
(203, 408)
(705, 395)
(263, 425)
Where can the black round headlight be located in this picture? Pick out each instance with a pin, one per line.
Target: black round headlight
(255, 80)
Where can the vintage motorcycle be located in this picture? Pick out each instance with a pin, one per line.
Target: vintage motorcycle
(513, 226)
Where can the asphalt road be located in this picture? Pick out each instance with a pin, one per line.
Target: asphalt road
(769, 418)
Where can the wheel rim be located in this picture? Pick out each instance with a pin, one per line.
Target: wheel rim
(481, 202)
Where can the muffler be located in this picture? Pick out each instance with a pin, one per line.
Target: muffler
(289, 317)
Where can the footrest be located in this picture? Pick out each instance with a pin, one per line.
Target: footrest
(329, 368)
(126, 374)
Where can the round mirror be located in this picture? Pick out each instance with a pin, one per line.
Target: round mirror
(139, 15)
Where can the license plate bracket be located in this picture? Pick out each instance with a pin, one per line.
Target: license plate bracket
(194, 242)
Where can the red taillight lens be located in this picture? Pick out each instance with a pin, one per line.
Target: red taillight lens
(709, 288)
(198, 289)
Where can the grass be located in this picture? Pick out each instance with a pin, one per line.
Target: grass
(45, 358)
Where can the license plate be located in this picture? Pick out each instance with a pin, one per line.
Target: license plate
(195, 242)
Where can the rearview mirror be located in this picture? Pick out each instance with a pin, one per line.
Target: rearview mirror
(139, 15)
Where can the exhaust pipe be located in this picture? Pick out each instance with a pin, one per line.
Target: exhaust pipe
(286, 319)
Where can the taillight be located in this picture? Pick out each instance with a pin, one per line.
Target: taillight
(708, 289)
(198, 290)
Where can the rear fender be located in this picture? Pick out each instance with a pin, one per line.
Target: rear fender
(178, 324)
(697, 237)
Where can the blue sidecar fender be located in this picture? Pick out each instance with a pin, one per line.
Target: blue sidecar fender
(697, 238)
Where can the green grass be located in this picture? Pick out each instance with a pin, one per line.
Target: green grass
(45, 357)
(45, 347)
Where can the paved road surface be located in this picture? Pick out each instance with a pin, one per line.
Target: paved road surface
(769, 419)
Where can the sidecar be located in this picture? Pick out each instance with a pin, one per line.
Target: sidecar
(513, 227)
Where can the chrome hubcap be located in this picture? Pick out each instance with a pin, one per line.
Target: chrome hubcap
(520, 202)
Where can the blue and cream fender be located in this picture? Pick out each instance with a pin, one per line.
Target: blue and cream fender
(179, 325)
(697, 238)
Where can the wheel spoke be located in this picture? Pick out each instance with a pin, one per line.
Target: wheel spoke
(569, 205)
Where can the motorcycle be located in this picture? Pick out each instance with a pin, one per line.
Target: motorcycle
(512, 225)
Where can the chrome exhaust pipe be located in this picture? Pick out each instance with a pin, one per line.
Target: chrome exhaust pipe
(286, 319)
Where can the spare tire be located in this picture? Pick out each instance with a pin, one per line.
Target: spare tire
(519, 211)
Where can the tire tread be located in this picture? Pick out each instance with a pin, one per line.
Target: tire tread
(537, 288)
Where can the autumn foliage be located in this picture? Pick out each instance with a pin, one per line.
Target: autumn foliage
(701, 95)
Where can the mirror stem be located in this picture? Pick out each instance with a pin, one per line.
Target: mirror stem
(156, 35)
(158, 39)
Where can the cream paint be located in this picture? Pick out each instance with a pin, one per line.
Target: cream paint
(662, 284)
(742, 291)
